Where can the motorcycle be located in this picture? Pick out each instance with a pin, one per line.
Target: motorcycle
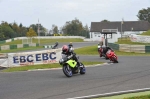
(55, 46)
(70, 67)
(112, 56)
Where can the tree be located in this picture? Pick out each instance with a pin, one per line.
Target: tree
(55, 30)
(1, 34)
(31, 33)
(6, 31)
(20, 25)
(105, 20)
(22, 30)
(16, 28)
(86, 31)
(144, 14)
(41, 29)
(75, 28)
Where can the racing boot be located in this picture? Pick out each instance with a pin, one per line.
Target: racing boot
(79, 64)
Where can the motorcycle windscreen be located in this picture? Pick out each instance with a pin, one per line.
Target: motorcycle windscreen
(72, 63)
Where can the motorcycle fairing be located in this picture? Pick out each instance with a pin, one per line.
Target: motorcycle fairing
(72, 63)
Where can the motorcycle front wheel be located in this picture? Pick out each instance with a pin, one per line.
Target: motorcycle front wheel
(114, 59)
(67, 70)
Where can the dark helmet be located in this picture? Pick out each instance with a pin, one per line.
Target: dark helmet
(70, 43)
(65, 48)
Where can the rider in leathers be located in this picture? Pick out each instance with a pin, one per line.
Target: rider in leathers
(68, 51)
(70, 45)
(105, 49)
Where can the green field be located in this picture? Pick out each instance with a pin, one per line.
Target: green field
(147, 33)
(45, 41)
(92, 50)
(21, 49)
(42, 42)
(128, 41)
(138, 95)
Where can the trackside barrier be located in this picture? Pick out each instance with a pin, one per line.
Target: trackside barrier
(140, 38)
(3, 59)
(124, 47)
(8, 47)
(114, 46)
(138, 48)
(32, 58)
(147, 49)
(48, 46)
(130, 48)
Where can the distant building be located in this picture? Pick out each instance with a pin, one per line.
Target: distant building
(123, 27)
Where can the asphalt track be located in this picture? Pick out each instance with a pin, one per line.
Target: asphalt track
(130, 73)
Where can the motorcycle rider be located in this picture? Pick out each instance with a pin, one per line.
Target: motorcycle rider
(69, 52)
(70, 45)
(100, 48)
(105, 49)
(56, 44)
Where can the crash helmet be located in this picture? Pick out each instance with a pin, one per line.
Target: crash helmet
(65, 48)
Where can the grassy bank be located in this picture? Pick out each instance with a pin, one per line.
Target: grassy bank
(138, 95)
(128, 41)
(42, 41)
(92, 50)
(21, 49)
(44, 66)
(147, 33)
(45, 41)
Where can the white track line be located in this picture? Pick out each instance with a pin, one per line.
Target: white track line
(61, 68)
(111, 94)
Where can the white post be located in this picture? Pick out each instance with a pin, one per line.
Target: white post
(121, 26)
(104, 42)
(121, 30)
(38, 32)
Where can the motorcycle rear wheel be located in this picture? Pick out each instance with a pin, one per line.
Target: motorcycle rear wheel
(82, 70)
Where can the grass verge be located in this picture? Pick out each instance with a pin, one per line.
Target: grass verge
(20, 49)
(44, 66)
(138, 95)
(45, 41)
(92, 50)
(42, 41)
(128, 41)
(147, 33)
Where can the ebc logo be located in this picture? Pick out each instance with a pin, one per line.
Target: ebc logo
(36, 58)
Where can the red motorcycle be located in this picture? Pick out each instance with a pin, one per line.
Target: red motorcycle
(112, 56)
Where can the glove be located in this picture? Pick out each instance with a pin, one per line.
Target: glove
(69, 57)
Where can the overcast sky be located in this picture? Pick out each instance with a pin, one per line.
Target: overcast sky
(59, 11)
